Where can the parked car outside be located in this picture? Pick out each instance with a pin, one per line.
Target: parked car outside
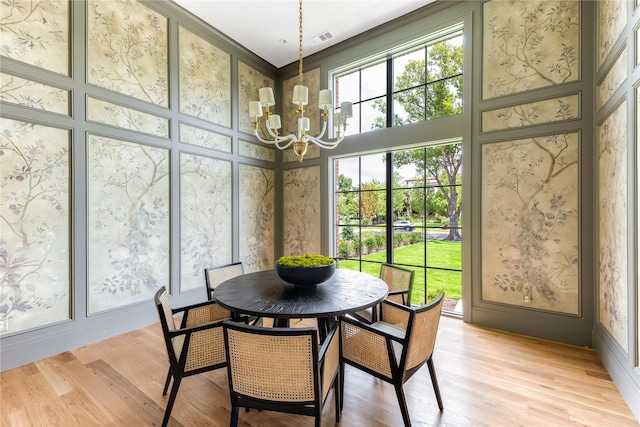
(404, 225)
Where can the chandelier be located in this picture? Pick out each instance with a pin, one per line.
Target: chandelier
(300, 140)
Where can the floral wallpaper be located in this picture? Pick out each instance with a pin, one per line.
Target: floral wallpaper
(524, 54)
(613, 80)
(249, 83)
(126, 118)
(36, 33)
(613, 203)
(27, 93)
(128, 222)
(611, 19)
(205, 217)
(530, 222)
(34, 224)
(204, 138)
(257, 218)
(533, 113)
(205, 79)
(257, 151)
(127, 49)
(302, 211)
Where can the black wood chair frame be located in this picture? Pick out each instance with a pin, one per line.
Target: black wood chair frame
(310, 407)
(399, 375)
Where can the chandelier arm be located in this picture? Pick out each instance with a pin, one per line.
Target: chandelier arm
(321, 134)
(328, 145)
(279, 137)
(279, 140)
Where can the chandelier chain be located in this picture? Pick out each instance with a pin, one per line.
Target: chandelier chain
(300, 45)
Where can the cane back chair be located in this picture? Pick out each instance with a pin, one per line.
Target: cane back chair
(400, 282)
(196, 346)
(216, 275)
(281, 369)
(395, 347)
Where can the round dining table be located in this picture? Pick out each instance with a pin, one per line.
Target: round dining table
(265, 294)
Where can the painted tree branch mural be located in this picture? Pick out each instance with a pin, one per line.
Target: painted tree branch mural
(127, 118)
(249, 83)
(204, 138)
(205, 212)
(530, 222)
(205, 79)
(36, 32)
(127, 49)
(534, 45)
(612, 226)
(257, 218)
(533, 113)
(27, 93)
(128, 222)
(34, 214)
(302, 211)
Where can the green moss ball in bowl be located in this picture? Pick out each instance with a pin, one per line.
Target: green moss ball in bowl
(305, 270)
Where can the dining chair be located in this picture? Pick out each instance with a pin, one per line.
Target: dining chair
(216, 275)
(400, 282)
(196, 346)
(281, 369)
(395, 347)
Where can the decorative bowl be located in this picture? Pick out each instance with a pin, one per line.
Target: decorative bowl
(306, 276)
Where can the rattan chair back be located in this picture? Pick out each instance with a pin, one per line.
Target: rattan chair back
(422, 337)
(216, 275)
(400, 282)
(280, 369)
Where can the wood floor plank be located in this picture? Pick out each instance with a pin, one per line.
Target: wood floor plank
(135, 400)
(487, 378)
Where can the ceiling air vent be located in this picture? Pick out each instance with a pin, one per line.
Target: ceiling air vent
(322, 37)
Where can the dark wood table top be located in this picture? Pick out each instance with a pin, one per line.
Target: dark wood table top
(265, 294)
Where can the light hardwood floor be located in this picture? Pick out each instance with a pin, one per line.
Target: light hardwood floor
(487, 378)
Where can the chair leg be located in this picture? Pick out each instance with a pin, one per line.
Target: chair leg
(337, 392)
(403, 404)
(172, 399)
(234, 413)
(342, 384)
(166, 383)
(434, 381)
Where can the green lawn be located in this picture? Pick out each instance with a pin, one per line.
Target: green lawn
(440, 254)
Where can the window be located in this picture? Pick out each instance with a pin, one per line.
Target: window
(420, 82)
(402, 207)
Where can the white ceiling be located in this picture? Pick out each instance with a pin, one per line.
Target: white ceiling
(261, 26)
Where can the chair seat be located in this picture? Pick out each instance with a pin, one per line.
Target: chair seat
(365, 315)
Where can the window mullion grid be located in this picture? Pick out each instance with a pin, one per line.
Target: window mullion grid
(424, 219)
(426, 102)
(390, 92)
(389, 206)
(360, 212)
